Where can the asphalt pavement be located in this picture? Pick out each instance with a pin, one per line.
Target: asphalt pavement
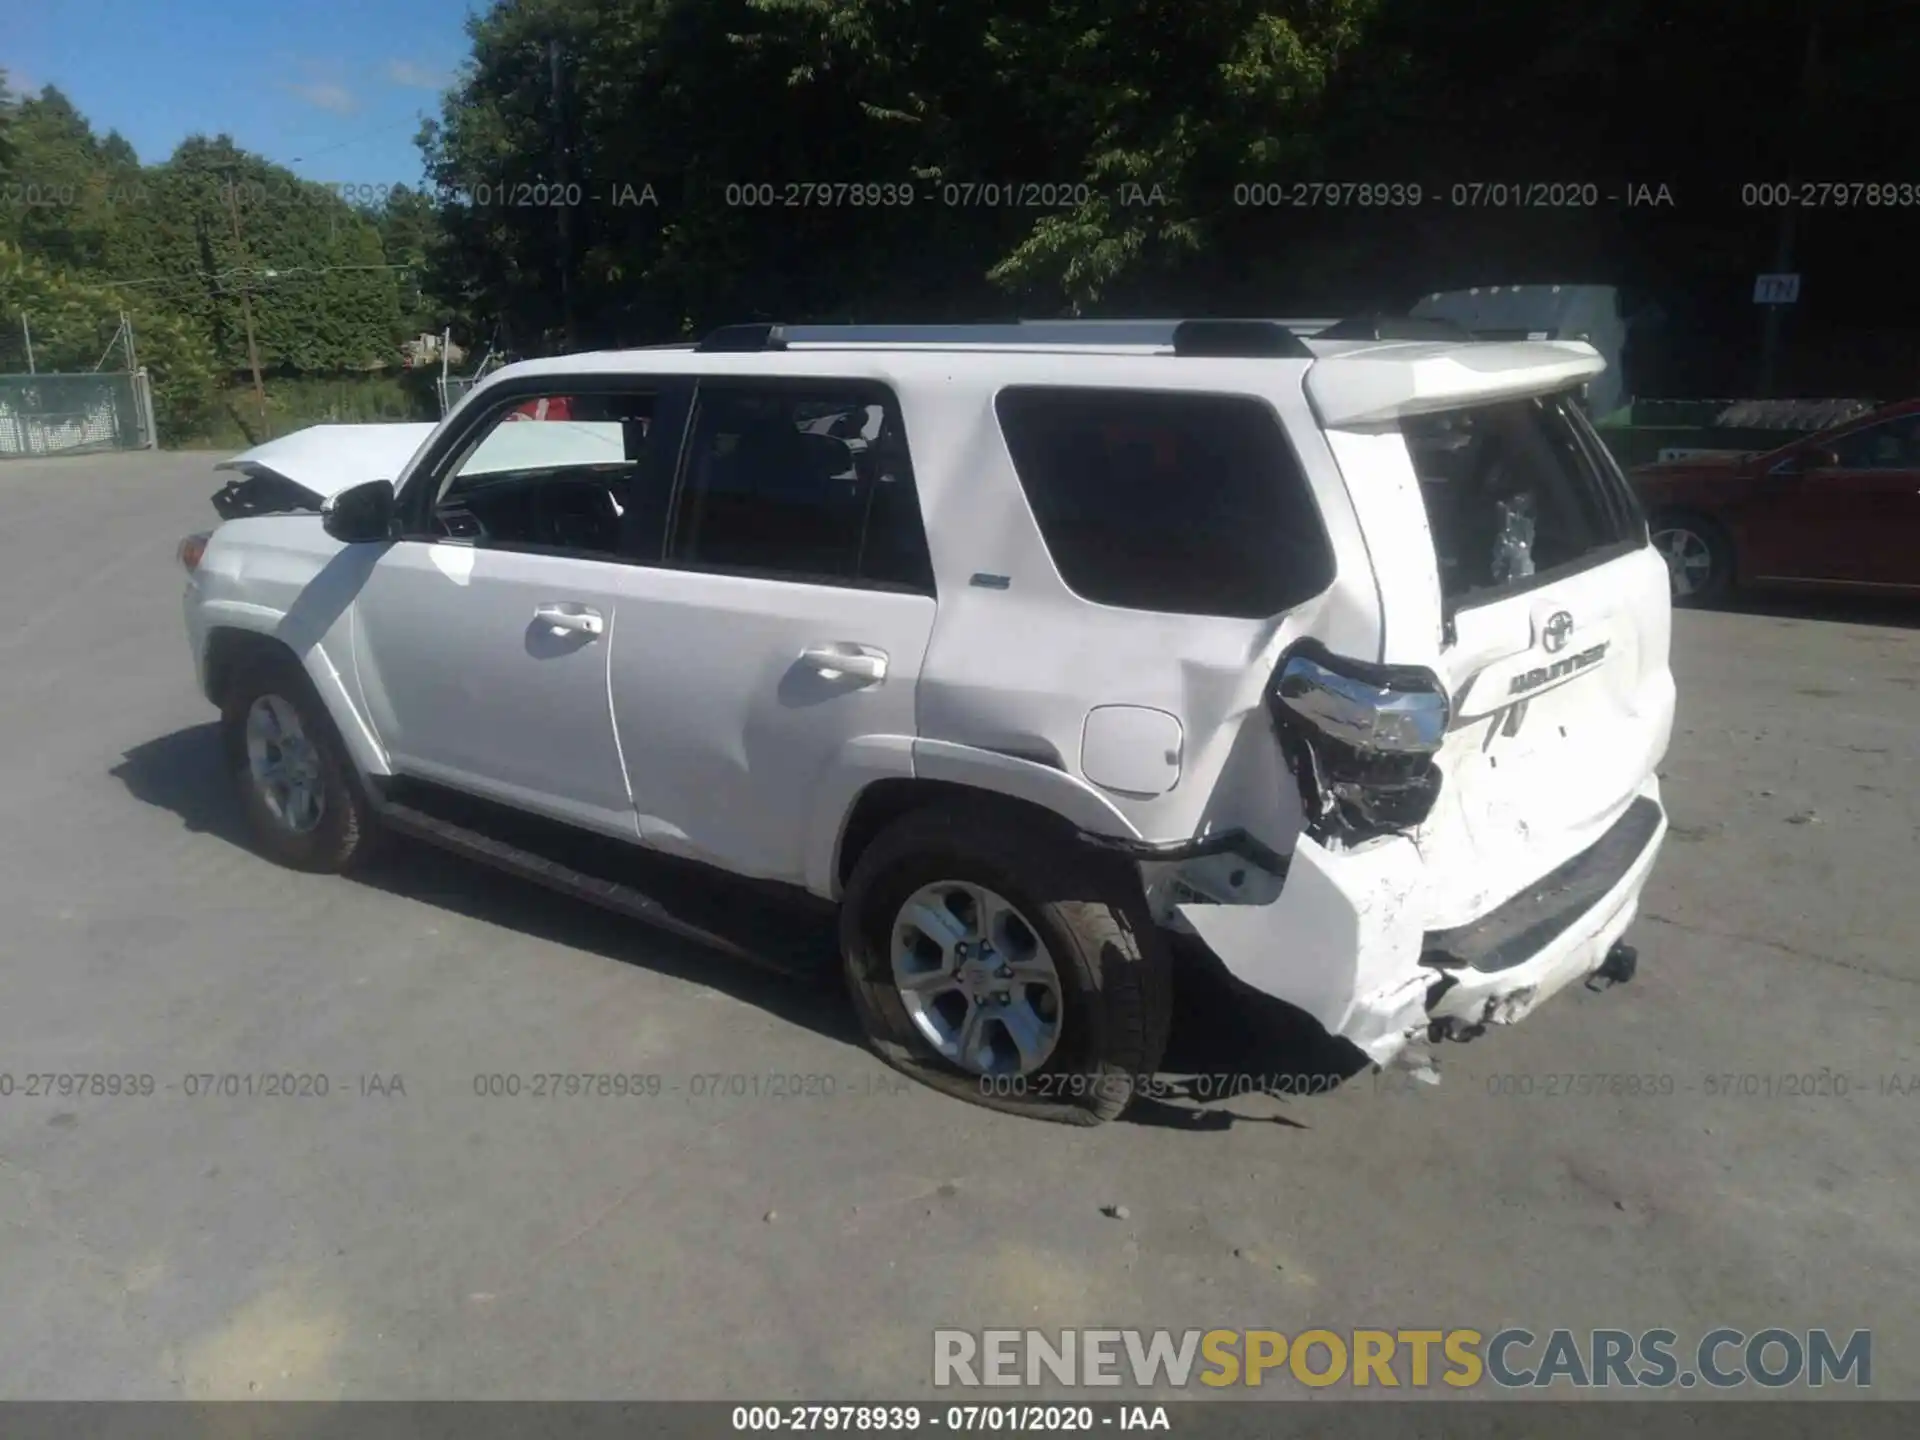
(784, 1218)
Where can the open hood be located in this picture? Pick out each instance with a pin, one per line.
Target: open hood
(301, 470)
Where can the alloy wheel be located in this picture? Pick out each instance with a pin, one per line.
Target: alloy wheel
(976, 979)
(1689, 560)
(284, 764)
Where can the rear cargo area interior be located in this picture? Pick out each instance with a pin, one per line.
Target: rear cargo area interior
(1509, 491)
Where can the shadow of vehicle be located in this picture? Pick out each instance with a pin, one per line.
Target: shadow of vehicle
(183, 772)
(1896, 612)
(1231, 1045)
(1228, 1043)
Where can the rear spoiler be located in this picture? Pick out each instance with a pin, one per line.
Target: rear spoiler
(1368, 388)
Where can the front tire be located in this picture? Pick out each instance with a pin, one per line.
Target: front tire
(1699, 556)
(1002, 964)
(297, 788)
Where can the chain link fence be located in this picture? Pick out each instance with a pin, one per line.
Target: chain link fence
(75, 414)
(452, 388)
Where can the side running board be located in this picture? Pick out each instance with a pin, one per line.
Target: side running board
(767, 951)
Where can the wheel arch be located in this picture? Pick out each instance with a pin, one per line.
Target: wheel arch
(1112, 964)
(230, 648)
(949, 774)
(1711, 523)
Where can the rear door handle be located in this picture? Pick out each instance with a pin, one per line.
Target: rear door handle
(580, 619)
(862, 662)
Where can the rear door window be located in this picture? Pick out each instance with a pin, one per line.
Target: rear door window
(1514, 491)
(810, 483)
(1167, 501)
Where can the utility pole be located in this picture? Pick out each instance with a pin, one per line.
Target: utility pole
(1783, 240)
(142, 394)
(246, 309)
(563, 212)
(26, 333)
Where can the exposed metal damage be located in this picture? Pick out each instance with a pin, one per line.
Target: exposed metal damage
(1360, 740)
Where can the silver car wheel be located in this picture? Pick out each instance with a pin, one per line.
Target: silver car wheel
(284, 764)
(976, 979)
(1689, 560)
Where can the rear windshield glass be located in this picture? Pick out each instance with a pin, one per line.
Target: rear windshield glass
(1515, 490)
(1183, 503)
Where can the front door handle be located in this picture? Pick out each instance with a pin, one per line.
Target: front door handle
(579, 619)
(861, 662)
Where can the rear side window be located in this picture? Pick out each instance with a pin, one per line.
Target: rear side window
(1890, 445)
(1174, 502)
(810, 484)
(1513, 491)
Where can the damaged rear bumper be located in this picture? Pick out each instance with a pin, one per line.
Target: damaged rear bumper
(1345, 941)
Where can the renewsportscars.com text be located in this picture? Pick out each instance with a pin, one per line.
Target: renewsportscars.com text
(1460, 1358)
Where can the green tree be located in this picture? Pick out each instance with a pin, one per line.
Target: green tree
(1150, 115)
(9, 104)
(1143, 117)
(68, 189)
(74, 319)
(410, 236)
(219, 223)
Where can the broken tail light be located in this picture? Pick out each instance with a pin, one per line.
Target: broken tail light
(1360, 738)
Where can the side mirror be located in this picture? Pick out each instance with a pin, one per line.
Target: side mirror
(360, 513)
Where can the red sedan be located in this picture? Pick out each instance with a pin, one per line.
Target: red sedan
(1839, 510)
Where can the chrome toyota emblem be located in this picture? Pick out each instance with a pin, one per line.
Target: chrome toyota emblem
(1554, 633)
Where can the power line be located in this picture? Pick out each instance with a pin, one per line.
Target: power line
(262, 273)
(378, 130)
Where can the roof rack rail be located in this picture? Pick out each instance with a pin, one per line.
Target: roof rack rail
(1262, 339)
(1021, 334)
(744, 339)
(1248, 339)
(1395, 327)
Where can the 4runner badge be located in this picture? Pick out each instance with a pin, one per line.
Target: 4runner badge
(1546, 674)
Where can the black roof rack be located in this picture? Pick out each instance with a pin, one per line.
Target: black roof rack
(1264, 339)
(1395, 327)
(744, 339)
(1248, 339)
(1021, 333)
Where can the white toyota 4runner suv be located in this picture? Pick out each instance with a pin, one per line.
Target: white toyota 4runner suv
(1030, 648)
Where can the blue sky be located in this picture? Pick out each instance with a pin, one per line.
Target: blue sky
(332, 89)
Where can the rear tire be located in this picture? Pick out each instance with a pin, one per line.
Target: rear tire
(304, 806)
(1080, 913)
(1699, 556)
